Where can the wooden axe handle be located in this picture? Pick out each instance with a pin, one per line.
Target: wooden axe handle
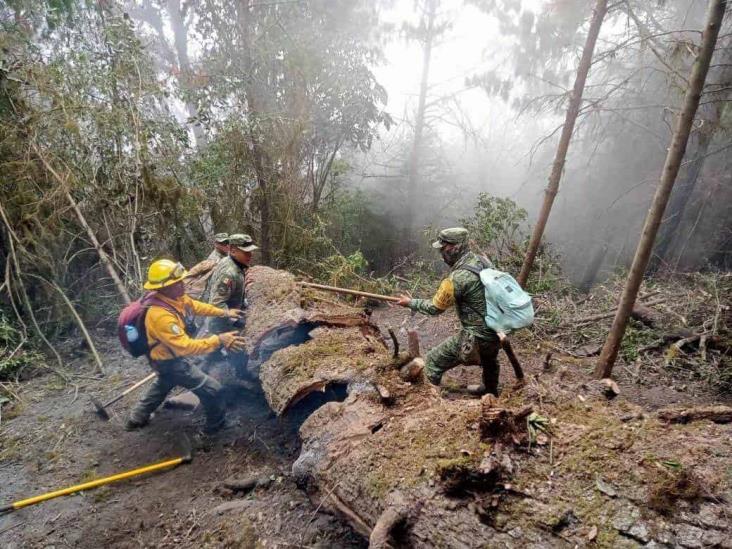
(348, 291)
(512, 358)
(130, 389)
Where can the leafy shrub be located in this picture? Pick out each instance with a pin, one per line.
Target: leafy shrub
(14, 358)
(497, 229)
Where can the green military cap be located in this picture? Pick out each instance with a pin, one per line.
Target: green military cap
(454, 235)
(243, 242)
(221, 238)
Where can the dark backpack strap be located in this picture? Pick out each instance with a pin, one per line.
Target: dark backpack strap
(474, 270)
(150, 300)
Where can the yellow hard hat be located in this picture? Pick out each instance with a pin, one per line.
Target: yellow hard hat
(164, 272)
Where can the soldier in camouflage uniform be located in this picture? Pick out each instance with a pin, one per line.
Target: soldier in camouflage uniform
(226, 291)
(221, 247)
(464, 289)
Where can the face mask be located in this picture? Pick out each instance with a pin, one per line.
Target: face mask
(451, 255)
(174, 291)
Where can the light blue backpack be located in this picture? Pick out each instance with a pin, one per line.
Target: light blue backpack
(508, 307)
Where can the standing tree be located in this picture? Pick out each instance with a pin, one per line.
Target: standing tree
(709, 122)
(426, 33)
(572, 111)
(671, 167)
(288, 86)
(173, 47)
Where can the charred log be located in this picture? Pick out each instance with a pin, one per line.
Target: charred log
(474, 473)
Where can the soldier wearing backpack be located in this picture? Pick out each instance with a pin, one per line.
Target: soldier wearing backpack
(165, 337)
(464, 289)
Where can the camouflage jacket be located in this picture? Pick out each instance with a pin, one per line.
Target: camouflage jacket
(225, 290)
(216, 255)
(463, 289)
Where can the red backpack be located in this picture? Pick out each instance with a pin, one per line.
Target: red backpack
(131, 324)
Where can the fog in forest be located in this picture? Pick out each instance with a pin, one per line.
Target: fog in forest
(344, 134)
(502, 140)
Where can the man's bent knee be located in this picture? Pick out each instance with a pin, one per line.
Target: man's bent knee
(432, 372)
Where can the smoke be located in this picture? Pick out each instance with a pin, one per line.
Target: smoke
(488, 142)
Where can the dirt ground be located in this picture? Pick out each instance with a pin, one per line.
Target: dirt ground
(649, 388)
(55, 440)
(52, 439)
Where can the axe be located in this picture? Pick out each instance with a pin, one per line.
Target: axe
(101, 409)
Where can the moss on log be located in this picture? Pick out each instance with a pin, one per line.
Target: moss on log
(428, 472)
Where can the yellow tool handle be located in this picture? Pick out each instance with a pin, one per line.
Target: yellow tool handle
(98, 482)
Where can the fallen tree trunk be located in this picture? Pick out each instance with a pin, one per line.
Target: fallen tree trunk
(406, 467)
(717, 414)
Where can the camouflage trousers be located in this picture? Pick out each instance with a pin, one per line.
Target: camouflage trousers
(179, 372)
(461, 349)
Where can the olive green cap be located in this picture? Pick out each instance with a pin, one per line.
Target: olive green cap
(454, 235)
(221, 238)
(243, 242)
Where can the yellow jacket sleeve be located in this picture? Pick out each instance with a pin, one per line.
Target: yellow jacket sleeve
(167, 336)
(441, 301)
(200, 308)
(445, 296)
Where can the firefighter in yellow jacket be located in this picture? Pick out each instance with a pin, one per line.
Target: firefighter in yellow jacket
(168, 325)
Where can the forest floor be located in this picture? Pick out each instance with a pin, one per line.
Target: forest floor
(50, 437)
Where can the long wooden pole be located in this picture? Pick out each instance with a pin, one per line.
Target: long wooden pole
(504, 341)
(575, 101)
(675, 155)
(347, 291)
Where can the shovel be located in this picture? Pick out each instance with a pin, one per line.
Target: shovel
(186, 458)
(102, 408)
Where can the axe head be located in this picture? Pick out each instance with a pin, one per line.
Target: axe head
(186, 448)
(101, 411)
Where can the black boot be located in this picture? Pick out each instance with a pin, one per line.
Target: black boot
(134, 424)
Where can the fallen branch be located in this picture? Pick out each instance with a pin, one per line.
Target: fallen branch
(79, 322)
(608, 314)
(646, 315)
(90, 233)
(717, 414)
(247, 484)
